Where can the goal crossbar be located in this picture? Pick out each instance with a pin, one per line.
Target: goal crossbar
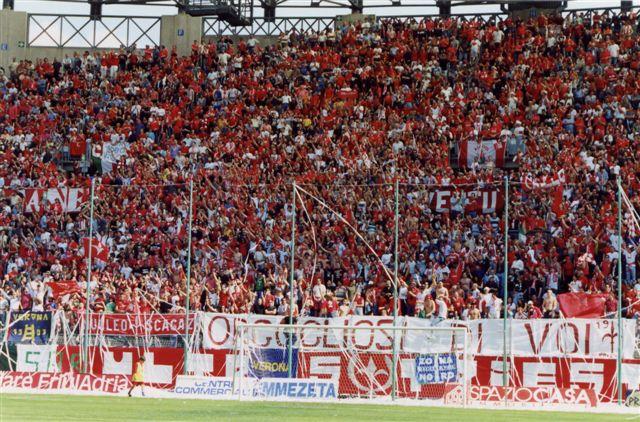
(354, 327)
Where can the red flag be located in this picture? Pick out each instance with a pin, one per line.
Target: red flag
(456, 274)
(557, 205)
(61, 288)
(98, 249)
(582, 305)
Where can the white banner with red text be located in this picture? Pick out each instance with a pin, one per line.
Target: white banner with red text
(542, 337)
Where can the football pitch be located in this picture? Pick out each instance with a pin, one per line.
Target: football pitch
(28, 407)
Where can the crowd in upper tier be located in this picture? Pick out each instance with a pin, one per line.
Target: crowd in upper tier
(448, 111)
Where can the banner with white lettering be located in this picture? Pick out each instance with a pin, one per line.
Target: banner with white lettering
(62, 199)
(533, 395)
(161, 367)
(164, 365)
(436, 368)
(482, 200)
(68, 382)
(139, 324)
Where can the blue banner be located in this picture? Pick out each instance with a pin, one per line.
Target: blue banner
(272, 363)
(30, 327)
(436, 368)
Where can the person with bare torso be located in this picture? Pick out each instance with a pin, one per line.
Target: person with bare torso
(549, 304)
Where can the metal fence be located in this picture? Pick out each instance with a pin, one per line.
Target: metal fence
(79, 31)
(216, 27)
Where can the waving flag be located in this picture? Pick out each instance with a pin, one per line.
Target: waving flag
(582, 305)
(99, 250)
(61, 288)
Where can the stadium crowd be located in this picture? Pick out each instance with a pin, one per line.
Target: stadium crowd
(345, 114)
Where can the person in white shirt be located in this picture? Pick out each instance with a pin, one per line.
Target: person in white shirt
(252, 43)
(487, 299)
(285, 99)
(475, 49)
(630, 255)
(517, 265)
(575, 286)
(126, 271)
(498, 36)
(552, 280)
(223, 58)
(495, 307)
(441, 308)
(614, 52)
(319, 291)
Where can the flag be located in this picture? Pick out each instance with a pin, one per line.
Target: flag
(582, 305)
(61, 288)
(456, 274)
(98, 249)
(485, 152)
(69, 199)
(557, 204)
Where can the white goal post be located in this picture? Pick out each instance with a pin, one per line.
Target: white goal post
(328, 362)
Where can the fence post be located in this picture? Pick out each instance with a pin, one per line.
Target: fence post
(394, 377)
(505, 290)
(188, 298)
(291, 277)
(85, 361)
(620, 329)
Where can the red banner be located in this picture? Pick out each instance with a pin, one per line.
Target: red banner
(61, 199)
(472, 199)
(51, 381)
(162, 364)
(61, 288)
(582, 305)
(596, 374)
(140, 324)
(354, 374)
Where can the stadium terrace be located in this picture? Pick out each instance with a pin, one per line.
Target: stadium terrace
(445, 107)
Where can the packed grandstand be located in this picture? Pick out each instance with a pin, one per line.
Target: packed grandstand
(548, 107)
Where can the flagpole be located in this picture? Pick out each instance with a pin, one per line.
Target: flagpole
(395, 291)
(505, 290)
(187, 304)
(85, 361)
(620, 331)
(292, 278)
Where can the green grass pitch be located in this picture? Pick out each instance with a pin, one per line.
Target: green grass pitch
(33, 408)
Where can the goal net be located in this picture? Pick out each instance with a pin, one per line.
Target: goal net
(361, 362)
